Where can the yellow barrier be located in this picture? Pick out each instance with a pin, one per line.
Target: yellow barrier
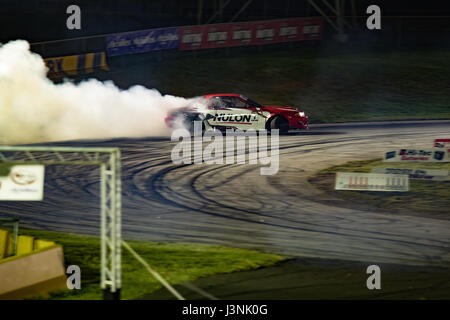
(76, 64)
(41, 244)
(25, 245)
(3, 243)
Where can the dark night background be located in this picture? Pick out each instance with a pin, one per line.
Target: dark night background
(420, 22)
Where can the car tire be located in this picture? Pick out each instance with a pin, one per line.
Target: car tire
(280, 123)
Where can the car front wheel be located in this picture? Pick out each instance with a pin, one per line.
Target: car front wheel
(280, 123)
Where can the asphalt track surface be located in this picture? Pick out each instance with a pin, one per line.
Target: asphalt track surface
(234, 205)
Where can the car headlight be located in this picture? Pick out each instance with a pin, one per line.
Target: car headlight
(301, 114)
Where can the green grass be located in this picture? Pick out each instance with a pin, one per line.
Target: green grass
(5, 169)
(176, 262)
(430, 198)
(330, 86)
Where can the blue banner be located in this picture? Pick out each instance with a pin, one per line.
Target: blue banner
(142, 41)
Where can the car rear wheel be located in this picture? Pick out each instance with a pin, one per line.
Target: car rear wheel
(189, 124)
(280, 123)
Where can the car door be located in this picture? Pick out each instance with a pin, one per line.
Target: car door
(237, 114)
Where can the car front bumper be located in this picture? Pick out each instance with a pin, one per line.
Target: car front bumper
(298, 123)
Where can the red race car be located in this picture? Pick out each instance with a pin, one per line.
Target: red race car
(239, 112)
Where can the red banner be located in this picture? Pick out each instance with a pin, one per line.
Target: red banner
(249, 33)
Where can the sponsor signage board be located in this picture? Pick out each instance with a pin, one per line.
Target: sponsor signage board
(371, 181)
(420, 174)
(24, 183)
(417, 155)
(76, 64)
(142, 41)
(442, 143)
(249, 33)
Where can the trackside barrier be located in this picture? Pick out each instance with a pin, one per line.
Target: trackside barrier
(4, 235)
(142, 41)
(34, 269)
(33, 274)
(249, 33)
(215, 35)
(75, 64)
(371, 181)
(417, 155)
(10, 239)
(442, 143)
(25, 244)
(418, 174)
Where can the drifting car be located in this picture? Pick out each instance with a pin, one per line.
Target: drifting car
(236, 111)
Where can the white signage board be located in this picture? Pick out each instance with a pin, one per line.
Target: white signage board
(417, 155)
(442, 143)
(24, 183)
(419, 174)
(371, 181)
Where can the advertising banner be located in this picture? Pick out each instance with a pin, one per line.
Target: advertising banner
(419, 155)
(142, 41)
(249, 33)
(76, 64)
(371, 181)
(204, 37)
(24, 183)
(419, 174)
(442, 143)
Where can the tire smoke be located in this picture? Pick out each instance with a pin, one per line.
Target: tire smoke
(34, 109)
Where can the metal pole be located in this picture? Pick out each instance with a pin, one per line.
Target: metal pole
(339, 21)
(265, 5)
(199, 11)
(112, 222)
(355, 23)
(103, 238)
(241, 10)
(112, 239)
(118, 224)
(315, 6)
(221, 10)
(16, 234)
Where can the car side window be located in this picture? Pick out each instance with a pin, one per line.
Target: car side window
(227, 101)
(236, 102)
(218, 103)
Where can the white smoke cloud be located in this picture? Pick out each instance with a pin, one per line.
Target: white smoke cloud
(33, 109)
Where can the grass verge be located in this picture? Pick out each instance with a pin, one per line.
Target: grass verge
(425, 197)
(176, 262)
